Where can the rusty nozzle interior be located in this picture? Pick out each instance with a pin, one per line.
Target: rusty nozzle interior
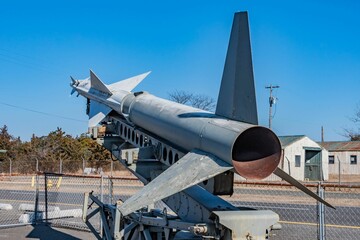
(256, 153)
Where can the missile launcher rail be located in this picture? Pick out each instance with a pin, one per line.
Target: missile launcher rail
(198, 213)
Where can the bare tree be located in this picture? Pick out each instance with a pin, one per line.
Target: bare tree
(195, 100)
(203, 102)
(354, 135)
(180, 96)
(356, 118)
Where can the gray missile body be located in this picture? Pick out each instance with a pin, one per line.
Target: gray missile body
(212, 142)
(237, 143)
(191, 128)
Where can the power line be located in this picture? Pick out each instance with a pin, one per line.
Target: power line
(25, 61)
(40, 112)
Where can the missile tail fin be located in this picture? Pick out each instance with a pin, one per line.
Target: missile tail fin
(97, 113)
(193, 168)
(237, 98)
(128, 84)
(98, 84)
(280, 173)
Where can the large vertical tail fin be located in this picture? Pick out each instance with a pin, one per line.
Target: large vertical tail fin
(237, 98)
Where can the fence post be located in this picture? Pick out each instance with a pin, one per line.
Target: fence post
(101, 199)
(10, 168)
(61, 165)
(46, 199)
(36, 204)
(288, 161)
(321, 214)
(339, 170)
(110, 190)
(83, 168)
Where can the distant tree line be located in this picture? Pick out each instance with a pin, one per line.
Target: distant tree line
(56, 152)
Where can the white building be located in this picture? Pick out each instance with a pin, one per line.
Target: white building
(303, 158)
(343, 157)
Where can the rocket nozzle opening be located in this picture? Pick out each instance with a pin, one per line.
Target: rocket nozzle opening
(256, 153)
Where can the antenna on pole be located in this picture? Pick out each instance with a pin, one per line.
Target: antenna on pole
(272, 101)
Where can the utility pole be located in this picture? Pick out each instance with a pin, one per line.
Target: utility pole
(272, 101)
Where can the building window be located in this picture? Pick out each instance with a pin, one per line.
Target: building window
(297, 160)
(353, 159)
(331, 159)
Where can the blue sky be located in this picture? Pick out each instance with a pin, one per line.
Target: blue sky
(310, 48)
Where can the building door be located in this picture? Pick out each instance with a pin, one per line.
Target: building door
(313, 171)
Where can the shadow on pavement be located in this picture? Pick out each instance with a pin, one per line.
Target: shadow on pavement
(44, 232)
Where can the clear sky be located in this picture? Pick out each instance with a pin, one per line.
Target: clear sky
(310, 48)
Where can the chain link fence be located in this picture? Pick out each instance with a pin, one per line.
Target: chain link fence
(15, 194)
(58, 200)
(64, 198)
(299, 213)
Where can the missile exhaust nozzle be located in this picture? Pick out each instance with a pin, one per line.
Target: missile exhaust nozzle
(256, 153)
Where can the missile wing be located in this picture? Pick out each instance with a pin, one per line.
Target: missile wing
(198, 166)
(211, 143)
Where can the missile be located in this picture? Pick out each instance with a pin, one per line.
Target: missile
(229, 139)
